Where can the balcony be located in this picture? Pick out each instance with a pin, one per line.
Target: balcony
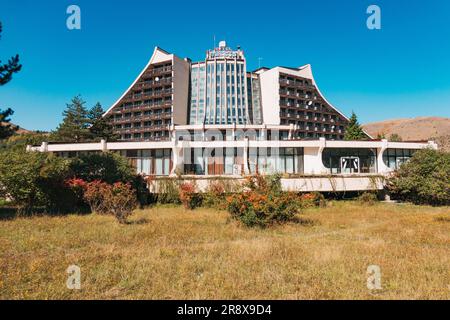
(158, 70)
(296, 83)
(152, 83)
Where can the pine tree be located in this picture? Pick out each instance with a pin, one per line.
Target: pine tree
(354, 130)
(100, 128)
(75, 125)
(6, 129)
(395, 138)
(6, 72)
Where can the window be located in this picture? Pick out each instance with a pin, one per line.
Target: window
(339, 160)
(394, 158)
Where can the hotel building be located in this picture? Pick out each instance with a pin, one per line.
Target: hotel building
(216, 118)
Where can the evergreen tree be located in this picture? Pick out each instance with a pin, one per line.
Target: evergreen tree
(6, 72)
(395, 138)
(6, 129)
(354, 130)
(75, 125)
(100, 128)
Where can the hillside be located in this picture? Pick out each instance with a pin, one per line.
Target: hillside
(421, 128)
(19, 130)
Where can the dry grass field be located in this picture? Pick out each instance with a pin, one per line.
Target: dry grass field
(170, 253)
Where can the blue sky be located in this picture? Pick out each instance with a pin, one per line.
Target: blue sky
(402, 70)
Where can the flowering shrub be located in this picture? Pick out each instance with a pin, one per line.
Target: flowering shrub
(215, 195)
(119, 200)
(94, 193)
(313, 199)
(188, 196)
(263, 202)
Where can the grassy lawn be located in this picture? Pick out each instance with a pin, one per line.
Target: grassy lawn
(170, 253)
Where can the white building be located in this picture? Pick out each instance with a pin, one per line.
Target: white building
(213, 118)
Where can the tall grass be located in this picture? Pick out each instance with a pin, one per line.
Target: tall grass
(173, 253)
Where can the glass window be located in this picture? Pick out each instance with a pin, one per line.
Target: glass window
(336, 159)
(394, 158)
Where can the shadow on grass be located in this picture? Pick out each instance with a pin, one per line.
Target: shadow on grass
(442, 218)
(308, 222)
(138, 222)
(10, 213)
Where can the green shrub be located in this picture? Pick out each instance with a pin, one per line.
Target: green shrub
(368, 198)
(168, 191)
(424, 179)
(263, 202)
(33, 179)
(109, 168)
(19, 142)
(106, 166)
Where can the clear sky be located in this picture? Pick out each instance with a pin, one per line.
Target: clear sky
(402, 70)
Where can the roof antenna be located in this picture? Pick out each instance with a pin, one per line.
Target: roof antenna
(259, 62)
(214, 44)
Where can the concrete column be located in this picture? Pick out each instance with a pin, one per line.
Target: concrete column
(176, 159)
(172, 132)
(246, 145)
(44, 146)
(291, 131)
(103, 145)
(312, 159)
(322, 145)
(381, 167)
(264, 133)
(233, 132)
(433, 145)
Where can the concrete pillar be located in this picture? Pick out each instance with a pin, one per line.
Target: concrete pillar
(246, 146)
(177, 163)
(322, 145)
(433, 145)
(172, 132)
(264, 133)
(291, 131)
(233, 132)
(381, 167)
(103, 145)
(44, 146)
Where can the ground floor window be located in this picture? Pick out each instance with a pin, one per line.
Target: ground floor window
(350, 160)
(230, 161)
(276, 160)
(150, 162)
(394, 158)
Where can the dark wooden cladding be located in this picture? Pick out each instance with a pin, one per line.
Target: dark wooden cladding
(302, 105)
(145, 112)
